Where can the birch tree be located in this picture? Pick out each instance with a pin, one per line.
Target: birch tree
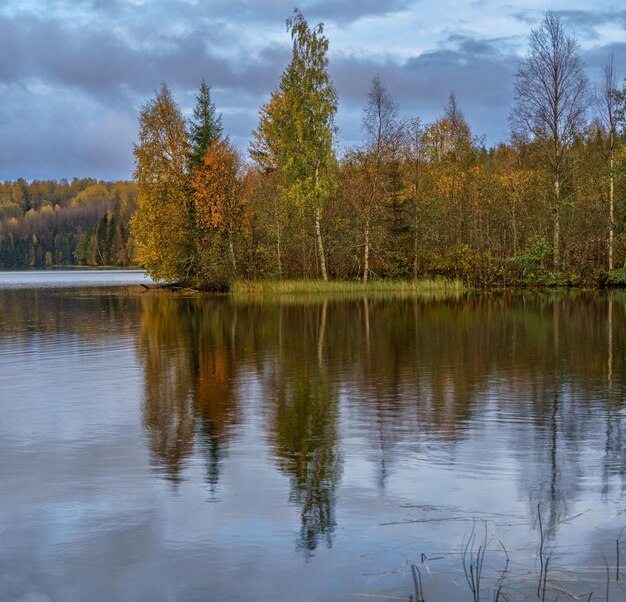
(382, 135)
(608, 114)
(551, 104)
(162, 222)
(297, 127)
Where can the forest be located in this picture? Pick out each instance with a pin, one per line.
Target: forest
(59, 223)
(413, 199)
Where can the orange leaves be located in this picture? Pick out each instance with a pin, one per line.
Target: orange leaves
(217, 188)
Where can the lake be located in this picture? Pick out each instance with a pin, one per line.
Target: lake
(161, 448)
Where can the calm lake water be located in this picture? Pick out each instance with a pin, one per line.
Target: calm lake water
(155, 448)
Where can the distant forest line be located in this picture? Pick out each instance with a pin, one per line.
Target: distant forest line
(411, 200)
(59, 223)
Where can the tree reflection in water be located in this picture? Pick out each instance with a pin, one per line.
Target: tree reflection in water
(303, 424)
(405, 371)
(188, 350)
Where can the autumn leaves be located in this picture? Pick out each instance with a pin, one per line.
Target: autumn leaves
(191, 182)
(413, 199)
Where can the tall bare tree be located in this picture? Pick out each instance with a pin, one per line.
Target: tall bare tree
(551, 104)
(382, 136)
(414, 150)
(608, 114)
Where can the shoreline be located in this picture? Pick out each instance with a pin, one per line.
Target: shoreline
(250, 289)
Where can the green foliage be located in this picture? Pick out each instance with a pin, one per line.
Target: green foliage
(529, 267)
(306, 127)
(205, 127)
(297, 127)
(533, 260)
(213, 270)
(617, 278)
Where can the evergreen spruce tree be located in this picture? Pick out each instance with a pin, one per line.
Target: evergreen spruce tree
(205, 127)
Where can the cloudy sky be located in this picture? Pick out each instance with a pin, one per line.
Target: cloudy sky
(73, 73)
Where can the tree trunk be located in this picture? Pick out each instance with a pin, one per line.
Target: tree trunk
(280, 265)
(366, 250)
(231, 251)
(611, 211)
(318, 231)
(320, 243)
(556, 241)
(415, 244)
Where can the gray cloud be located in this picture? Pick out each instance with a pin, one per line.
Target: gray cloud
(71, 83)
(581, 22)
(49, 132)
(586, 20)
(480, 76)
(352, 10)
(596, 58)
(338, 11)
(103, 62)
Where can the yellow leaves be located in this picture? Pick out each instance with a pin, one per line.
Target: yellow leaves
(449, 184)
(517, 180)
(162, 151)
(95, 191)
(440, 140)
(161, 224)
(126, 193)
(161, 228)
(266, 139)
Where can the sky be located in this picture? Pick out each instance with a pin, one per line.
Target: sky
(74, 73)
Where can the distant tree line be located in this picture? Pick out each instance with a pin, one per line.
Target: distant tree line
(60, 223)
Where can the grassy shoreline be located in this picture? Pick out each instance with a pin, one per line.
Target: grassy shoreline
(242, 291)
(273, 288)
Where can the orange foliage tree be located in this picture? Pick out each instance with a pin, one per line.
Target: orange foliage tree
(217, 190)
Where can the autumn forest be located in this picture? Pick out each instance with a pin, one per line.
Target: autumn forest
(413, 199)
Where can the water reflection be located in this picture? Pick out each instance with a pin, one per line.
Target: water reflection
(189, 353)
(366, 431)
(192, 350)
(416, 377)
(303, 417)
